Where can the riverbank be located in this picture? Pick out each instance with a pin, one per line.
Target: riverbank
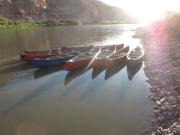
(162, 63)
(17, 24)
(107, 22)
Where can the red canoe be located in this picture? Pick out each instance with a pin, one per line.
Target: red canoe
(81, 61)
(30, 55)
(117, 58)
(103, 55)
(62, 49)
(86, 60)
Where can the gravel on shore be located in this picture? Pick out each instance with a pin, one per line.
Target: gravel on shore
(162, 68)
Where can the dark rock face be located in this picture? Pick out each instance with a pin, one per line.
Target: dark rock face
(87, 11)
(22, 9)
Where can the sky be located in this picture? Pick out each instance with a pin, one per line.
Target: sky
(145, 10)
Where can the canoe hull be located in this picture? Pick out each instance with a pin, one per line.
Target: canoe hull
(45, 51)
(113, 69)
(133, 63)
(42, 63)
(117, 58)
(70, 66)
(99, 63)
(113, 62)
(76, 48)
(30, 57)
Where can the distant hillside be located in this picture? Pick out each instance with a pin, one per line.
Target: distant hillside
(87, 11)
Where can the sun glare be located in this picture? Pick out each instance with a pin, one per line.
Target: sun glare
(146, 10)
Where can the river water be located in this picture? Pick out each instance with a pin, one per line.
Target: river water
(56, 102)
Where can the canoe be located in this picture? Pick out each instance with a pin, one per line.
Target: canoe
(112, 70)
(44, 51)
(103, 55)
(82, 61)
(54, 60)
(100, 59)
(104, 47)
(135, 56)
(42, 63)
(76, 48)
(62, 49)
(30, 55)
(117, 58)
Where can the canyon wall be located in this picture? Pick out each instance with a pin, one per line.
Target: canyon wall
(87, 11)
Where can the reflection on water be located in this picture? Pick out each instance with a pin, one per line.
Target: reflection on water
(96, 71)
(109, 72)
(13, 69)
(133, 70)
(112, 70)
(53, 101)
(46, 71)
(71, 75)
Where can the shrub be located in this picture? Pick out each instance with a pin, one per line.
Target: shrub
(71, 22)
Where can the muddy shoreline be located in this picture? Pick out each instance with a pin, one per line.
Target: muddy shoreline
(162, 64)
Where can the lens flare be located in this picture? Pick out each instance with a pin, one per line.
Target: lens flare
(146, 11)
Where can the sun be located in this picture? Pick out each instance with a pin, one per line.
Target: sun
(146, 10)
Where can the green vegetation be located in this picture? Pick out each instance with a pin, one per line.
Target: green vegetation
(72, 22)
(50, 23)
(60, 23)
(15, 24)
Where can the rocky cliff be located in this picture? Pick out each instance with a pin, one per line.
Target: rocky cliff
(22, 9)
(87, 11)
